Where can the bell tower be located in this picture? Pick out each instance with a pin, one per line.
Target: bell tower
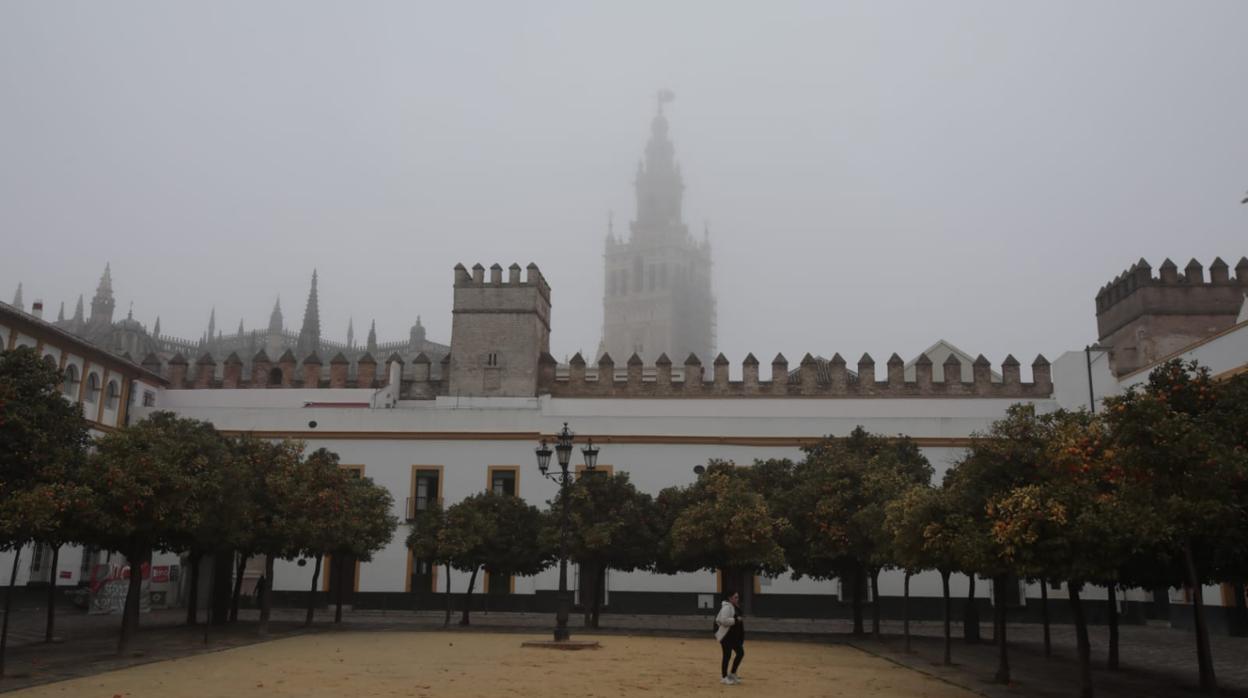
(657, 296)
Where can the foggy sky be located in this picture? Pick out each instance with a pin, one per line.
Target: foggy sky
(876, 176)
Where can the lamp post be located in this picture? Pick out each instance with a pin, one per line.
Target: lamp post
(563, 452)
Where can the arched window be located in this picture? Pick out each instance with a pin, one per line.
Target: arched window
(112, 397)
(275, 376)
(49, 360)
(72, 382)
(93, 388)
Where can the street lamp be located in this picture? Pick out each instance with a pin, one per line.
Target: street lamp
(563, 453)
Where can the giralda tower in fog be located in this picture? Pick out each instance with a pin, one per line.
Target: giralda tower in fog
(657, 295)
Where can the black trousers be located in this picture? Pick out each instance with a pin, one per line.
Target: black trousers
(730, 645)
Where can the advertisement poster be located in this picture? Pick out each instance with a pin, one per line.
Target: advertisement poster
(109, 585)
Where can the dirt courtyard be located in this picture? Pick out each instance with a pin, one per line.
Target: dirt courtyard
(437, 664)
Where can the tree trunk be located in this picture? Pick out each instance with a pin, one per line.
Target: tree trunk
(316, 577)
(875, 602)
(192, 594)
(970, 614)
(944, 583)
(8, 606)
(599, 585)
(1044, 616)
(1204, 656)
(130, 614)
(472, 581)
(238, 586)
(266, 596)
(51, 624)
(585, 583)
(857, 600)
(1239, 625)
(447, 620)
(1113, 626)
(339, 561)
(1003, 657)
(1081, 636)
(905, 609)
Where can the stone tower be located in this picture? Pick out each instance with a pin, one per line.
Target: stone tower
(500, 332)
(102, 304)
(1143, 318)
(657, 295)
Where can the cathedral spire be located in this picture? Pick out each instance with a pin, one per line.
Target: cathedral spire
(212, 324)
(17, 297)
(103, 302)
(78, 310)
(240, 327)
(372, 338)
(350, 333)
(60, 314)
(310, 333)
(275, 319)
(156, 328)
(659, 186)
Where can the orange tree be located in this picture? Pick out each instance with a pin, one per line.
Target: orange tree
(611, 526)
(1183, 446)
(145, 482)
(1080, 519)
(324, 501)
(280, 504)
(429, 540)
(43, 441)
(837, 509)
(919, 522)
(1010, 455)
(499, 533)
(362, 525)
(720, 523)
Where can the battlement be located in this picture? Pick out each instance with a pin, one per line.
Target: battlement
(830, 380)
(477, 278)
(1141, 317)
(1217, 293)
(417, 382)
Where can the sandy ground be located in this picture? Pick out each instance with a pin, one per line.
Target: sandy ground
(457, 665)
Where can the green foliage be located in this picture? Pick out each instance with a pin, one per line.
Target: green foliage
(1180, 444)
(498, 532)
(720, 522)
(611, 524)
(839, 499)
(43, 442)
(145, 484)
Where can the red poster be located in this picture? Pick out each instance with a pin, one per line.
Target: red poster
(160, 573)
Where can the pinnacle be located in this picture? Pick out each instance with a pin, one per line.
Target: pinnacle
(634, 360)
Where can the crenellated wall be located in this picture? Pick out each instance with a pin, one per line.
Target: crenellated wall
(834, 381)
(1141, 317)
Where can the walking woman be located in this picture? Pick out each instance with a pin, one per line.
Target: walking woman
(730, 632)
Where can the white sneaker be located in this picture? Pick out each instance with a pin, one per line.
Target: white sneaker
(735, 678)
(727, 681)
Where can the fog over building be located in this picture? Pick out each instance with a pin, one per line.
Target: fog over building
(657, 297)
